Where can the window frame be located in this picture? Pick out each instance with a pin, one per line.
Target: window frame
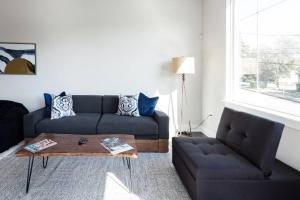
(278, 109)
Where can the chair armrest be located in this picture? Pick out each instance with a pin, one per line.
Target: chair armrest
(30, 120)
(163, 124)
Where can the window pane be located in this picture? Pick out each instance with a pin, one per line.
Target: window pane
(248, 52)
(269, 58)
(246, 8)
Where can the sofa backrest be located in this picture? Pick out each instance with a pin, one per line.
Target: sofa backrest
(87, 103)
(110, 103)
(253, 137)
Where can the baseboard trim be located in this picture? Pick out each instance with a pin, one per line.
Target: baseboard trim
(11, 150)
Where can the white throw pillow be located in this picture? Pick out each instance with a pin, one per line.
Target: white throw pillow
(128, 105)
(62, 106)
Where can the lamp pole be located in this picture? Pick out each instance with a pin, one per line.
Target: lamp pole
(184, 101)
(183, 65)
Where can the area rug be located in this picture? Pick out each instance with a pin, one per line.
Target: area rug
(92, 178)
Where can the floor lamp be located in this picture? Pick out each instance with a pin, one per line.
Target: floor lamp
(183, 65)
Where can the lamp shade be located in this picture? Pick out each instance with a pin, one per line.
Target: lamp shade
(184, 65)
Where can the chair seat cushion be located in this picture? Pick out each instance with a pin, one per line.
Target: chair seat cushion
(208, 158)
(82, 123)
(138, 126)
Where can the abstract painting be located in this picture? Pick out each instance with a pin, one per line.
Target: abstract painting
(17, 58)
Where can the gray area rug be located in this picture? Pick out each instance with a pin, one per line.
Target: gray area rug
(89, 178)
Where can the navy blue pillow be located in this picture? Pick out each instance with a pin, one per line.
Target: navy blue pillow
(48, 102)
(147, 105)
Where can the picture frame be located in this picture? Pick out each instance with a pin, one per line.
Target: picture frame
(17, 58)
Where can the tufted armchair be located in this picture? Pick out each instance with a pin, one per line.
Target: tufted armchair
(237, 164)
(11, 123)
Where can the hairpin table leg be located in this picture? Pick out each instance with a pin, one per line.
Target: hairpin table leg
(123, 160)
(45, 163)
(30, 165)
(129, 167)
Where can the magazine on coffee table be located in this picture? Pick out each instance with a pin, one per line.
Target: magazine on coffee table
(115, 146)
(38, 146)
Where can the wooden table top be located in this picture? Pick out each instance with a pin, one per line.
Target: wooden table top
(67, 145)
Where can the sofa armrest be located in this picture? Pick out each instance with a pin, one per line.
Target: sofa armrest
(30, 120)
(163, 124)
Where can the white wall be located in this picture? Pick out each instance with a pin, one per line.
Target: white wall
(104, 47)
(214, 79)
(214, 61)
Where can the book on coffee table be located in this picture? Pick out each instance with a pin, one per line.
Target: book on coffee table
(38, 146)
(115, 146)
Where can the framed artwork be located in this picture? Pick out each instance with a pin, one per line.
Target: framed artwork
(17, 58)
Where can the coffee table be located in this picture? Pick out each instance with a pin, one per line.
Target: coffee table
(67, 145)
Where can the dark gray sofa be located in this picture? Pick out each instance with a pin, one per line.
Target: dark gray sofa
(238, 163)
(95, 115)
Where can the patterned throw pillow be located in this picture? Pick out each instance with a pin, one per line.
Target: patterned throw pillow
(62, 106)
(48, 103)
(128, 105)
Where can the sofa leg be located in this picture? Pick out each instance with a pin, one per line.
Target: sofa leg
(163, 145)
(156, 145)
(144, 145)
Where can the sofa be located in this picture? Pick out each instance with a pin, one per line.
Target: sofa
(11, 123)
(95, 114)
(238, 163)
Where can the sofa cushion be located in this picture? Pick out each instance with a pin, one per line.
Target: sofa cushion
(87, 103)
(138, 126)
(82, 123)
(208, 158)
(253, 137)
(110, 103)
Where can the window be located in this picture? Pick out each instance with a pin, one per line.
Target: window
(265, 53)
